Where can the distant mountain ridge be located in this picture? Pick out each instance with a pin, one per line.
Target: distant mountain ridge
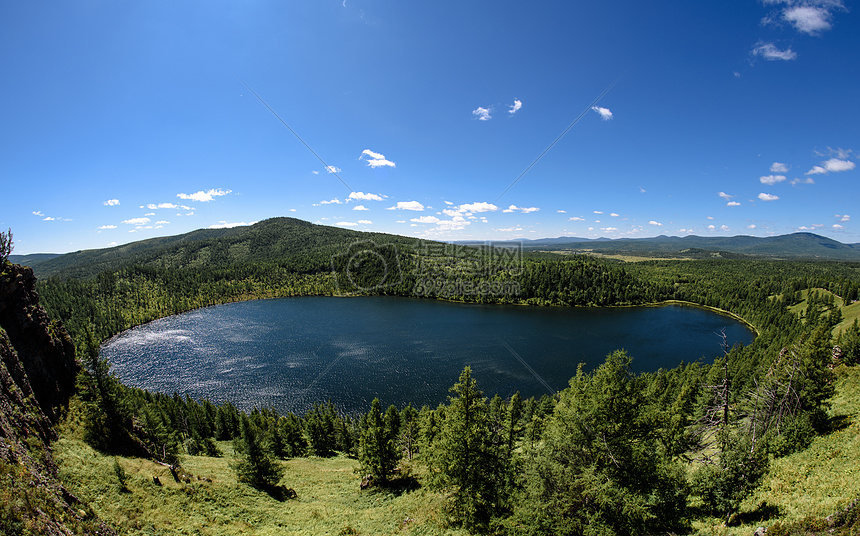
(790, 246)
(294, 238)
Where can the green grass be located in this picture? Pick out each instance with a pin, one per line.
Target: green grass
(849, 312)
(816, 482)
(214, 503)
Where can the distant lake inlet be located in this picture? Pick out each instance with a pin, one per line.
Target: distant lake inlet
(290, 353)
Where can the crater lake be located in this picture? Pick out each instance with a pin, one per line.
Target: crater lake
(291, 353)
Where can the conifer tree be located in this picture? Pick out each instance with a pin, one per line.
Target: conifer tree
(470, 458)
(377, 452)
(256, 466)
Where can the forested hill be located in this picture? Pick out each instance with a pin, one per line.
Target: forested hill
(790, 246)
(282, 240)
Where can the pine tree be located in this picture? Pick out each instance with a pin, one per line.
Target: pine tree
(256, 466)
(377, 452)
(470, 457)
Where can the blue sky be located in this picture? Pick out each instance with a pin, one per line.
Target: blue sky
(126, 120)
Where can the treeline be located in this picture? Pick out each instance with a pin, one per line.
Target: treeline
(614, 453)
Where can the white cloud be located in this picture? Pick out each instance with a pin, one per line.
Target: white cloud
(770, 180)
(604, 113)
(478, 207)
(724, 195)
(837, 226)
(37, 213)
(842, 217)
(733, 204)
(111, 202)
(375, 159)
(524, 210)
(609, 229)
(107, 227)
(561, 211)
(751, 226)
(767, 197)
(153, 206)
(223, 224)
(807, 180)
(808, 19)
(204, 197)
(836, 165)
(657, 223)
(162, 222)
(365, 222)
(136, 221)
(778, 167)
(483, 114)
(360, 207)
(347, 224)
(364, 197)
(407, 205)
(333, 169)
(426, 219)
(510, 229)
(334, 201)
(449, 203)
(598, 212)
(770, 52)
(576, 218)
(725, 228)
(515, 107)
(614, 214)
(315, 172)
(712, 227)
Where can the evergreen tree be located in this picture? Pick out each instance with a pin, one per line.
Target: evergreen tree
(470, 458)
(377, 451)
(598, 469)
(256, 466)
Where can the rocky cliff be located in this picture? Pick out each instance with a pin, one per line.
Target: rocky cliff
(37, 378)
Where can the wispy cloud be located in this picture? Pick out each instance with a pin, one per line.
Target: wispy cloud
(480, 206)
(524, 210)
(407, 205)
(807, 180)
(333, 169)
(771, 52)
(515, 107)
(204, 197)
(576, 218)
(483, 114)
(364, 197)
(771, 179)
(111, 202)
(426, 219)
(834, 165)
(375, 159)
(604, 113)
(842, 217)
(136, 221)
(725, 196)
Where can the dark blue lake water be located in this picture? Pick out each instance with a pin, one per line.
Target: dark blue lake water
(290, 353)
